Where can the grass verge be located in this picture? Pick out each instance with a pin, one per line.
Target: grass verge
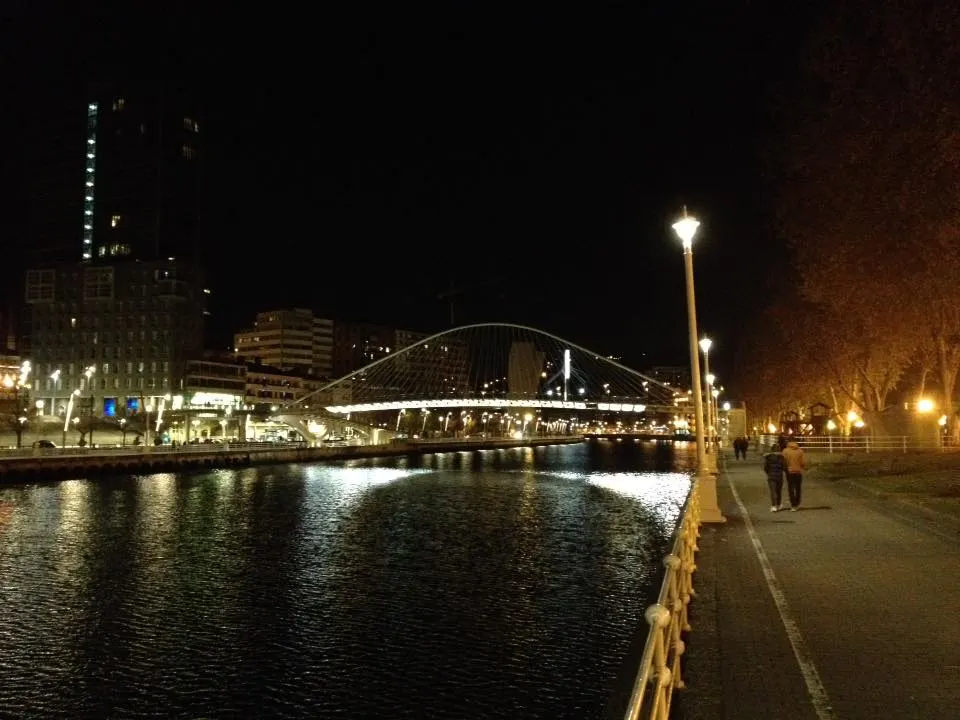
(930, 480)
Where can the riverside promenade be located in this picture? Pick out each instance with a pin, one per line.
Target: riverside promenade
(847, 609)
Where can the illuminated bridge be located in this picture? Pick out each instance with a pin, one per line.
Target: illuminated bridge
(490, 378)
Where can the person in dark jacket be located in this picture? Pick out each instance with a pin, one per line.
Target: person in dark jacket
(774, 466)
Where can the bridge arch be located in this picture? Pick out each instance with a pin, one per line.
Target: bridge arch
(495, 341)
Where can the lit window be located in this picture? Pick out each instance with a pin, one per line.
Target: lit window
(118, 104)
(114, 221)
(188, 152)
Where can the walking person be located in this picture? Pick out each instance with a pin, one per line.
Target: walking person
(738, 448)
(774, 466)
(795, 463)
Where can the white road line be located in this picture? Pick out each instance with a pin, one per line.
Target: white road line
(818, 693)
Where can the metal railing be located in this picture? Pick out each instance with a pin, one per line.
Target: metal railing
(659, 672)
(490, 438)
(862, 443)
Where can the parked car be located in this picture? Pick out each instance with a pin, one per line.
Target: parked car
(43, 444)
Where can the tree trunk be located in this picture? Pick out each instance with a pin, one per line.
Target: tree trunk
(948, 378)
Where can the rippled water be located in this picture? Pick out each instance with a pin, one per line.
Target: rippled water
(456, 585)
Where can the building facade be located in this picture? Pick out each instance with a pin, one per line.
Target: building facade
(119, 333)
(676, 376)
(358, 344)
(114, 299)
(293, 339)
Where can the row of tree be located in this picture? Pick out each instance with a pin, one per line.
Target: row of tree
(867, 313)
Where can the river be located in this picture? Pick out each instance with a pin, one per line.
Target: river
(489, 584)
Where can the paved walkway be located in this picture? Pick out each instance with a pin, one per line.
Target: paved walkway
(847, 609)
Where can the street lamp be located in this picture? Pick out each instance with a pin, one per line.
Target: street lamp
(55, 377)
(686, 228)
(705, 344)
(66, 421)
(89, 373)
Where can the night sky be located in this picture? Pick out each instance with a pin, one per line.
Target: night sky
(359, 165)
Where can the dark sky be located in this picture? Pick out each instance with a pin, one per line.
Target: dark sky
(359, 164)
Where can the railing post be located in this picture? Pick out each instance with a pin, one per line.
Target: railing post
(904, 443)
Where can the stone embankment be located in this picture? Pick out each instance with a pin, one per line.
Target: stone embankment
(26, 465)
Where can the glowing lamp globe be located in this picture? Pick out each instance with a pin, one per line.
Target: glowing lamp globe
(685, 229)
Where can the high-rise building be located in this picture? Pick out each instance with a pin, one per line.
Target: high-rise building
(119, 334)
(524, 365)
(293, 339)
(676, 376)
(359, 344)
(114, 295)
(117, 177)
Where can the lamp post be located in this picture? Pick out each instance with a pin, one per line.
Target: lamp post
(686, 228)
(146, 427)
(66, 420)
(710, 378)
(715, 403)
(89, 373)
(705, 344)
(54, 379)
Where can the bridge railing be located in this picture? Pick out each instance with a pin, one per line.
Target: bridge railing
(659, 672)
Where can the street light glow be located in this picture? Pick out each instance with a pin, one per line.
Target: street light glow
(705, 344)
(686, 228)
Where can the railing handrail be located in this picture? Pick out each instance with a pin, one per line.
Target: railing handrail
(836, 442)
(660, 662)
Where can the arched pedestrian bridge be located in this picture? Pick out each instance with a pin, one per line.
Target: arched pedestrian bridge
(485, 377)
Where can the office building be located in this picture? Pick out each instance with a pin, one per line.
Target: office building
(132, 325)
(114, 297)
(115, 175)
(676, 376)
(524, 367)
(293, 339)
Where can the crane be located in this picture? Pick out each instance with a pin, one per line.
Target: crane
(458, 291)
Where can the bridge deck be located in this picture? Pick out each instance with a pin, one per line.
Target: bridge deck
(865, 621)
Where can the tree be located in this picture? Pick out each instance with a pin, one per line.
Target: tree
(869, 197)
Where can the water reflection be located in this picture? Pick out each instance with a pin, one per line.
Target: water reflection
(501, 583)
